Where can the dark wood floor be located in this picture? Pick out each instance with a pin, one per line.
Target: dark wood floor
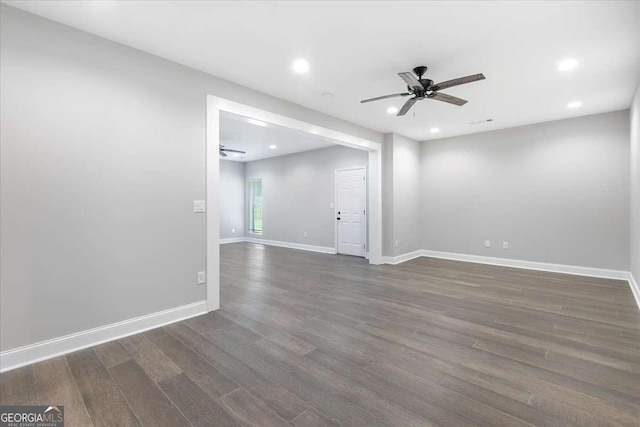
(308, 339)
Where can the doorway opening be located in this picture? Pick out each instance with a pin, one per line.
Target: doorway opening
(372, 183)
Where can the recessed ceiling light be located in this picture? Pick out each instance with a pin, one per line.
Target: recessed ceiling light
(574, 104)
(257, 122)
(273, 146)
(434, 130)
(300, 66)
(392, 110)
(567, 64)
(236, 154)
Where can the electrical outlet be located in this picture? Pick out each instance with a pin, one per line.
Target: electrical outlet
(202, 278)
(199, 206)
(305, 234)
(505, 245)
(487, 243)
(397, 244)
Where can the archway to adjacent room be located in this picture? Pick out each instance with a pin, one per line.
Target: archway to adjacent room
(215, 106)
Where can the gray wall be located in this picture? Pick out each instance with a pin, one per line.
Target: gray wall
(400, 201)
(102, 154)
(232, 199)
(297, 192)
(558, 192)
(635, 187)
(407, 224)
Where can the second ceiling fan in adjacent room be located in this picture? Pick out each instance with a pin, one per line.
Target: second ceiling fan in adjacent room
(223, 151)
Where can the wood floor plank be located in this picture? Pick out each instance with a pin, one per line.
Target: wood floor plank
(56, 386)
(154, 362)
(306, 387)
(195, 404)
(206, 376)
(104, 402)
(250, 411)
(576, 406)
(280, 400)
(276, 335)
(380, 406)
(112, 354)
(148, 402)
(312, 418)
(235, 332)
(18, 387)
(208, 322)
(518, 409)
(426, 398)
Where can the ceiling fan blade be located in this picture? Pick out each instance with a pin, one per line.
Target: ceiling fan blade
(447, 98)
(407, 106)
(457, 82)
(384, 97)
(233, 151)
(411, 81)
(222, 153)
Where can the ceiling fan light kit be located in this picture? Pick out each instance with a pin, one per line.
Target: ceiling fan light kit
(422, 88)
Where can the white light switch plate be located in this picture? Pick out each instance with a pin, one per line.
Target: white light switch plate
(487, 243)
(199, 206)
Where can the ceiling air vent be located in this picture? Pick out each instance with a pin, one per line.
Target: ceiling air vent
(479, 122)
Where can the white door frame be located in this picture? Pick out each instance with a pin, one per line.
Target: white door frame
(214, 106)
(366, 202)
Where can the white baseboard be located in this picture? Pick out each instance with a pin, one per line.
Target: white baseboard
(635, 289)
(531, 265)
(321, 249)
(232, 240)
(12, 359)
(394, 260)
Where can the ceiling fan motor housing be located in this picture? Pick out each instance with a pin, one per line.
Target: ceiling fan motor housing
(426, 83)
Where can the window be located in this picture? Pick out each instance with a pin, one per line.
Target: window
(255, 206)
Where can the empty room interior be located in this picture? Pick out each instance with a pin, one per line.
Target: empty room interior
(357, 213)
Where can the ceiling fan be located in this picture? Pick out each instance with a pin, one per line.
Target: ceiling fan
(223, 151)
(426, 89)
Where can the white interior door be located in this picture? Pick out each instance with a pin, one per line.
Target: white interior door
(351, 216)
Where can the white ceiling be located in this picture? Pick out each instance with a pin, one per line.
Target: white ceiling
(255, 137)
(355, 49)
